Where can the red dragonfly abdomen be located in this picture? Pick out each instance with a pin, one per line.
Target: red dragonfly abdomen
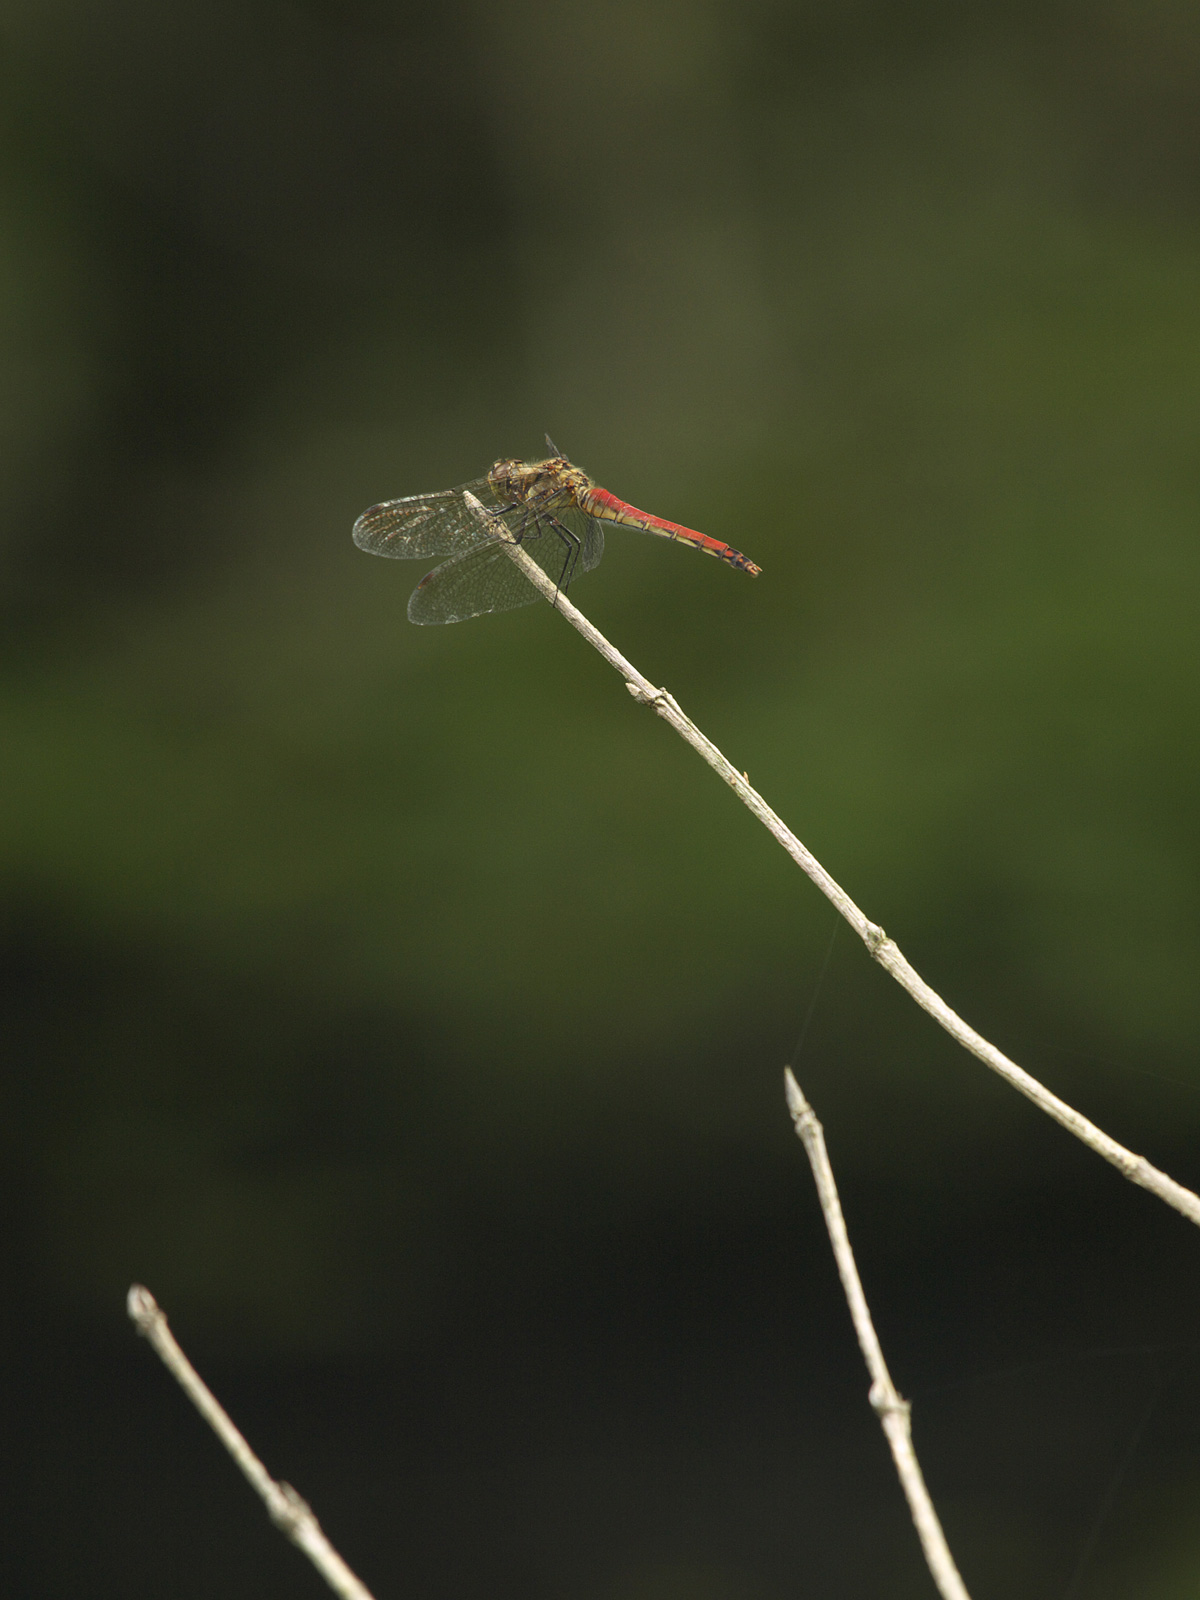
(599, 503)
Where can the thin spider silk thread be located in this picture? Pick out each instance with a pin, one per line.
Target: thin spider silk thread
(816, 995)
(1109, 1498)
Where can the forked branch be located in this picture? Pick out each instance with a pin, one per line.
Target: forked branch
(1134, 1167)
(894, 1413)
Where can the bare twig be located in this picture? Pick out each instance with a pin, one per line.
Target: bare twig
(290, 1514)
(893, 1412)
(1134, 1167)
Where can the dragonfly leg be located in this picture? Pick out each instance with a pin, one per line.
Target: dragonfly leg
(502, 511)
(534, 525)
(574, 545)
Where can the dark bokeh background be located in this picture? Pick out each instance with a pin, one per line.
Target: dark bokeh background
(405, 1007)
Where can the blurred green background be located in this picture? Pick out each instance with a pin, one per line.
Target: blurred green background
(406, 1007)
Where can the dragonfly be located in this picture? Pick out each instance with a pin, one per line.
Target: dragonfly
(551, 508)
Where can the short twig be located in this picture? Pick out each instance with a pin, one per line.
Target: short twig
(1134, 1167)
(893, 1412)
(290, 1514)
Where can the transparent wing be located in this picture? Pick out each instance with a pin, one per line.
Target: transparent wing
(485, 578)
(424, 525)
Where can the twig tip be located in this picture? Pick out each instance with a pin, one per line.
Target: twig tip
(142, 1307)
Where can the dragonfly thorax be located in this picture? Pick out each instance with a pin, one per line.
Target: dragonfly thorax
(543, 485)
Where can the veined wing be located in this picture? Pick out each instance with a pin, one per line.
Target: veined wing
(485, 578)
(424, 525)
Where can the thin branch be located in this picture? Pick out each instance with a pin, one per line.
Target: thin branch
(290, 1514)
(885, 951)
(894, 1413)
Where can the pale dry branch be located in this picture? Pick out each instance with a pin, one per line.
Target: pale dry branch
(894, 1413)
(885, 951)
(290, 1514)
